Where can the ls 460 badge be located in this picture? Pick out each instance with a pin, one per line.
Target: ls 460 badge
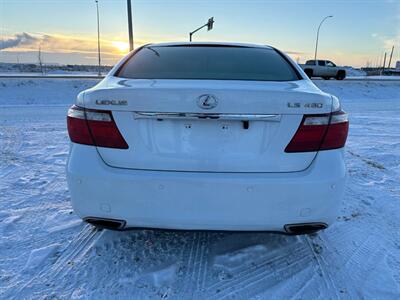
(306, 105)
(111, 102)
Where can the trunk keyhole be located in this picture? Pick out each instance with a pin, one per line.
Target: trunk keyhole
(245, 124)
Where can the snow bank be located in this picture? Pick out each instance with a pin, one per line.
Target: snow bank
(42, 91)
(351, 72)
(39, 256)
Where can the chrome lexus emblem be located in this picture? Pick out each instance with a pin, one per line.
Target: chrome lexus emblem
(111, 102)
(207, 101)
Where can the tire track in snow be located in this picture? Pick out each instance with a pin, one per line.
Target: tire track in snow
(328, 281)
(369, 162)
(202, 265)
(76, 249)
(196, 266)
(341, 266)
(364, 259)
(269, 270)
(186, 288)
(394, 263)
(10, 144)
(74, 252)
(207, 258)
(189, 266)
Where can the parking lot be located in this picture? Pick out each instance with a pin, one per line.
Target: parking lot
(46, 250)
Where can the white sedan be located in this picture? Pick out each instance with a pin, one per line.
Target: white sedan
(213, 136)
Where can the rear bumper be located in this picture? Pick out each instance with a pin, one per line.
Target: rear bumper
(210, 201)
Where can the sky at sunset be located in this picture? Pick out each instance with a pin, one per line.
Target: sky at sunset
(359, 32)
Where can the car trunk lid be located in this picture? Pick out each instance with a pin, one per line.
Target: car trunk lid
(168, 128)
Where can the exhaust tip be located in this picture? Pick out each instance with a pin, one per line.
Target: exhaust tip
(304, 228)
(105, 223)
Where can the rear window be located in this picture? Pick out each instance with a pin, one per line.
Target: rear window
(208, 62)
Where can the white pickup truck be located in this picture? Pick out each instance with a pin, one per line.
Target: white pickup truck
(323, 68)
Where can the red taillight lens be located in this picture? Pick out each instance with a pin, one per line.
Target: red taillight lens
(94, 127)
(320, 132)
(77, 127)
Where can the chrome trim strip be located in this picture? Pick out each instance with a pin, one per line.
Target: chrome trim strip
(217, 116)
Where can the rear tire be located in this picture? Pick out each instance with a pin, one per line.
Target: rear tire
(340, 75)
(308, 72)
(326, 77)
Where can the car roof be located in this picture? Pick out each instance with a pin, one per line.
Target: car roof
(226, 44)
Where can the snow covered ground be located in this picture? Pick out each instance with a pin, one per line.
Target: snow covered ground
(50, 75)
(47, 252)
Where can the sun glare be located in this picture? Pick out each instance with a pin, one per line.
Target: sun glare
(121, 46)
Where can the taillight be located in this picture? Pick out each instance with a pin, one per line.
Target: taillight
(94, 127)
(320, 132)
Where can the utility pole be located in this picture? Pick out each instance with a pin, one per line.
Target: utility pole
(40, 58)
(98, 36)
(390, 59)
(130, 25)
(384, 62)
(19, 66)
(209, 24)
(316, 42)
